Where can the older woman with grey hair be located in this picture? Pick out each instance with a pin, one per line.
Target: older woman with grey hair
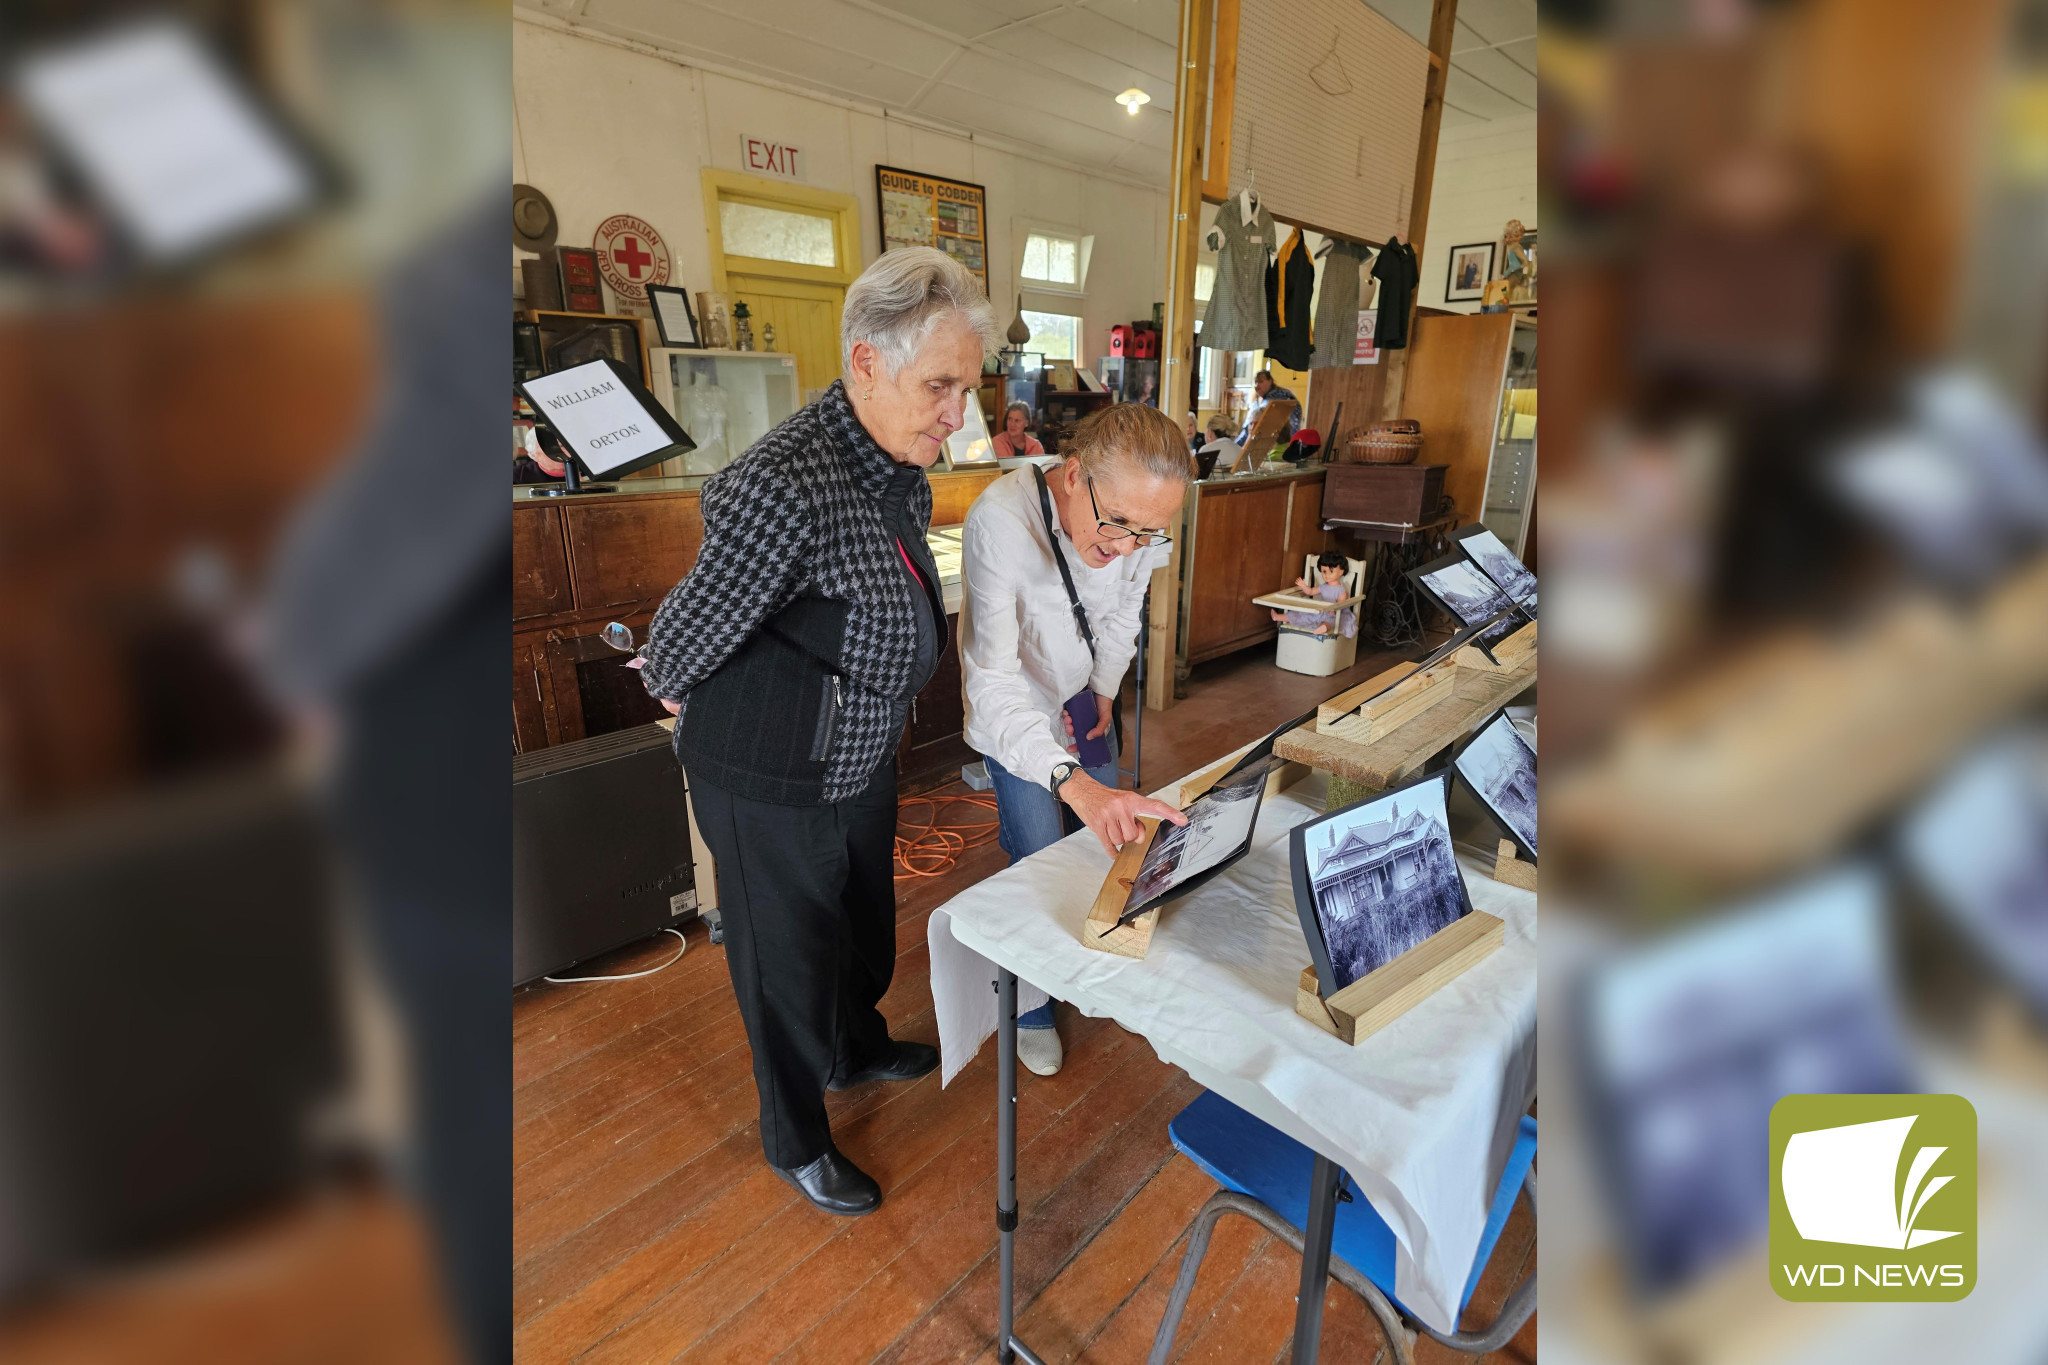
(790, 655)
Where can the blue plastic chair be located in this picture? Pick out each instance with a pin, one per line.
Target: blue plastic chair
(1265, 1176)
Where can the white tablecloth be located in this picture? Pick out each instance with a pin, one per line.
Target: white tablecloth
(1421, 1115)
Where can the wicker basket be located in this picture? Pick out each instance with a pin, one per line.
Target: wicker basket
(1396, 442)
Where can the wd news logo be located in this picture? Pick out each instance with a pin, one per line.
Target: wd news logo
(1873, 1197)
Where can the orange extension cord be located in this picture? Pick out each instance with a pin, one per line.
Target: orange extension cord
(931, 849)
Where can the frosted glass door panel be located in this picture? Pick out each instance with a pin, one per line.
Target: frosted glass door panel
(771, 234)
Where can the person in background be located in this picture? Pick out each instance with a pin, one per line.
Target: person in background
(790, 656)
(1023, 656)
(1013, 441)
(1269, 392)
(1220, 432)
(1194, 430)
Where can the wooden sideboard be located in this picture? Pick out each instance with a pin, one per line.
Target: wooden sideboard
(579, 563)
(1245, 536)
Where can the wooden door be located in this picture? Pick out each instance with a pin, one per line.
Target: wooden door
(805, 316)
(1455, 366)
(1238, 535)
(788, 252)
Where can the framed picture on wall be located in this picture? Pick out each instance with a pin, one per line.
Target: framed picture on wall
(930, 210)
(673, 316)
(1471, 267)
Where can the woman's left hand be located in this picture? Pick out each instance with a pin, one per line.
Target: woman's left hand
(1105, 712)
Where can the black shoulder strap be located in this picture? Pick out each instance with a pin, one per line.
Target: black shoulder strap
(1059, 557)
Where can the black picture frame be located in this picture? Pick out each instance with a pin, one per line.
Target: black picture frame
(883, 188)
(1455, 293)
(1472, 533)
(1729, 964)
(1329, 980)
(1256, 776)
(620, 341)
(327, 182)
(655, 294)
(1502, 617)
(1498, 721)
(678, 442)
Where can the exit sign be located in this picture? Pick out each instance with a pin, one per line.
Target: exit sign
(762, 157)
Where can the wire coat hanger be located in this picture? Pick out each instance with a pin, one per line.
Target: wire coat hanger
(1337, 82)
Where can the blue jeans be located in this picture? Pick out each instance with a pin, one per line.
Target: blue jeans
(1029, 817)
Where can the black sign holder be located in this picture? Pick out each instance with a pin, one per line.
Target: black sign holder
(679, 441)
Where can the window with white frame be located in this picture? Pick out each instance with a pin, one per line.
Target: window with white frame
(1055, 335)
(1052, 259)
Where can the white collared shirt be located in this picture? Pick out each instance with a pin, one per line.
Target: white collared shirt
(1021, 653)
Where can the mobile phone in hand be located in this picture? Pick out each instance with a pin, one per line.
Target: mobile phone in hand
(1081, 711)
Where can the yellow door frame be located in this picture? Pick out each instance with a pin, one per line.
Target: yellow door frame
(842, 209)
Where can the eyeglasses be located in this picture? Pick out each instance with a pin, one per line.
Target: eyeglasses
(1111, 531)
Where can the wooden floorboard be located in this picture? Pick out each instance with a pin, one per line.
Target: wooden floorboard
(648, 1229)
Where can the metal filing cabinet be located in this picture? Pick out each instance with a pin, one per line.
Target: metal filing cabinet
(1511, 469)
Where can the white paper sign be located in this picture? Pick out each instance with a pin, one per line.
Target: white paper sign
(600, 419)
(1366, 352)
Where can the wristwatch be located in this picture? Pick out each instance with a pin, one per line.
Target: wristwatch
(1060, 773)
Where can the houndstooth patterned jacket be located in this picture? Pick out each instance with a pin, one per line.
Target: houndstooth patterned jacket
(793, 643)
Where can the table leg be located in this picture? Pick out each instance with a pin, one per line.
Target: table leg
(1008, 1348)
(1315, 1260)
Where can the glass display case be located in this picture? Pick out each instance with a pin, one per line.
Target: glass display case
(1511, 471)
(726, 400)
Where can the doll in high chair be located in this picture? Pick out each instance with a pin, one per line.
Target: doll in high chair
(1330, 568)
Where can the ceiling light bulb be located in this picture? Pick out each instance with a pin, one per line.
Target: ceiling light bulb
(1132, 98)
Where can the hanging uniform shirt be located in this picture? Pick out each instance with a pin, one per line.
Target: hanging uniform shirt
(1337, 307)
(1236, 319)
(1290, 288)
(1397, 273)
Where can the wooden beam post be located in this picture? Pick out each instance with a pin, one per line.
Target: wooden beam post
(1190, 107)
(1443, 22)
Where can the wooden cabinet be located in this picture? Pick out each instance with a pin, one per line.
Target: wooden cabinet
(1247, 537)
(1455, 371)
(933, 746)
(540, 568)
(622, 554)
(580, 563)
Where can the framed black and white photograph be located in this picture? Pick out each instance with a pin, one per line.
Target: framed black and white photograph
(1456, 584)
(1687, 1042)
(1218, 832)
(1376, 878)
(1498, 563)
(673, 316)
(1498, 766)
(1978, 848)
(1471, 267)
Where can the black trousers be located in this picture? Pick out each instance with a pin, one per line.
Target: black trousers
(426, 837)
(808, 895)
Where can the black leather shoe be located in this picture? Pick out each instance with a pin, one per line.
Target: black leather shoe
(835, 1185)
(906, 1062)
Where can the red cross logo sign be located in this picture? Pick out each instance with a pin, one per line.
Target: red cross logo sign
(631, 256)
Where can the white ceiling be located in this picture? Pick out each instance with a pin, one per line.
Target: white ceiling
(1033, 72)
(1493, 56)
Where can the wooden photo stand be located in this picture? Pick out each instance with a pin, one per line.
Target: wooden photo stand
(1380, 997)
(1508, 655)
(1412, 722)
(1508, 868)
(1384, 703)
(1267, 432)
(1100, 930)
